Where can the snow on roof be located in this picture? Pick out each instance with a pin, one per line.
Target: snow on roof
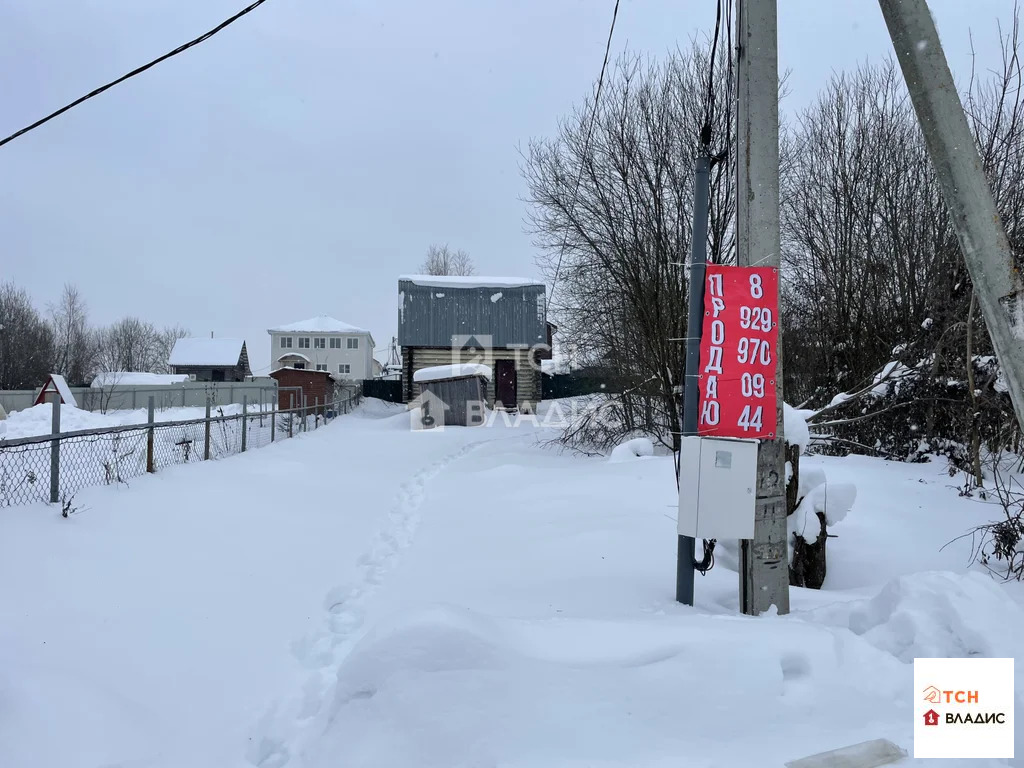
(472, 281)
(289, 355)
(137, 379)
(439, 372)
(318, 324)
(62, 387)
(203, 351)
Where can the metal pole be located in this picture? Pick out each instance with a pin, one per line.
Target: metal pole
(291, 415)
(274, 408)
(206, 450)
(55, 449)
(686, 546)
(151, 410)
(764, 560)
(316, 412)
(245, 419)
(955, 158)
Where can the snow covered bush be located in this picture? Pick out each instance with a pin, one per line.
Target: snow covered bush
(910, 411)
(812, 504)
(638, 447)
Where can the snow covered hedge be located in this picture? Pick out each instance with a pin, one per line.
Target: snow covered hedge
(910, 412)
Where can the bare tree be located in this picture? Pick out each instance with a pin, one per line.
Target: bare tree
(442, 260)
(75, 344)
(164, 345)
(130, 344)
(873, 270)
(26, 341)
(614, 246)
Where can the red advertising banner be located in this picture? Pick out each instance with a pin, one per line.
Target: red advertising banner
(737, 352)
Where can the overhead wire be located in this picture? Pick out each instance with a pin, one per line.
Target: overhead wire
(138, 71)
(586, 145)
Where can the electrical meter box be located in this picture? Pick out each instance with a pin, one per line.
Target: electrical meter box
(717, 487)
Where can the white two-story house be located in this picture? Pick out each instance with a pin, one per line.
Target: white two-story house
(323, 343)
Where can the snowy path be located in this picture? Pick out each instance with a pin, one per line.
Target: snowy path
(346, 610)
(160, 622)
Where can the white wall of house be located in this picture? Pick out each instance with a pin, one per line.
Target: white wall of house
(347, 355)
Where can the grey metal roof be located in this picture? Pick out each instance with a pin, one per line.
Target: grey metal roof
(439, 315)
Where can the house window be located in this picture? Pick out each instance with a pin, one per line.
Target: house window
(344, 368)
(319, 343)
(286, 342)
(299, 366)
(335, 342)
(321, 366)
(352, 343)
(304, 342)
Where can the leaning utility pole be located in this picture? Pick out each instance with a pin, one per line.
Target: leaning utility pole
(954, 155)
(764, 560)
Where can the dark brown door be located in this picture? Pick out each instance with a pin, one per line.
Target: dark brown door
(505, 383)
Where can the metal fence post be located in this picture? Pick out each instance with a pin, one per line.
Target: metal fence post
(316, 412)
(291, 415)
(305, 413)
(206, 450)
(245, 419)
(273, 419)
(55, 449)
(150, 463)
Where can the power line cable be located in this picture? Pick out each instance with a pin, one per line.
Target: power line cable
(709, 104)
(134, 72)
(586, 144)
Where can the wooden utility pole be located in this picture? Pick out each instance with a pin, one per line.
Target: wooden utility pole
(764, 560)
(997, 281)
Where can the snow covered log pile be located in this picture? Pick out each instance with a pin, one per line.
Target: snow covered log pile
(812, 504)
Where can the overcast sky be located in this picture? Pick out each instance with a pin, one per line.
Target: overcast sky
(298, 162)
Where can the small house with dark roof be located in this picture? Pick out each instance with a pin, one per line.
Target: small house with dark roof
(499, 322)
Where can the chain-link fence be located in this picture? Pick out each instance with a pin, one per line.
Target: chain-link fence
(55, 467)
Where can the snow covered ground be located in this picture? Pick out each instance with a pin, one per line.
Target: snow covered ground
(365, 595)
(37, 420)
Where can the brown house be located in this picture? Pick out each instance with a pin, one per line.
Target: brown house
(211, 359)
(316, 386)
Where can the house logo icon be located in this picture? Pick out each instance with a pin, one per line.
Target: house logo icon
(427, 412)
(932, 695)
(931, 717)
(473, 348)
